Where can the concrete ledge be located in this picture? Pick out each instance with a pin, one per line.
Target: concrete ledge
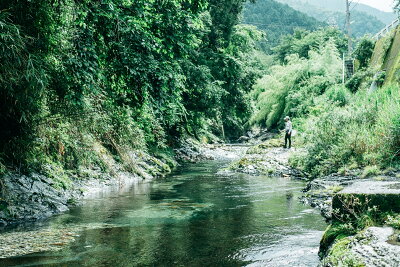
(364, 195)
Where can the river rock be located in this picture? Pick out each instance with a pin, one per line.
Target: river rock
(319, 192)
(373, 247)
(382, 196)
(266, 160)
(243, 139)
(30, 198)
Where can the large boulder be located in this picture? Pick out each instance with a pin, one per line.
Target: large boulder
(29, 198)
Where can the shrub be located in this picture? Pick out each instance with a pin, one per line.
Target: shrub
(394, 221)
(364, 50)
(366, 132)
(370, 171)
(360, 79)
(338, 94)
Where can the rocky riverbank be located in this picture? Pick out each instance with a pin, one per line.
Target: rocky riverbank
(35, 197)
(370, 246)
(374, 246)
(193, 151)
(25, 198)
(267, 158)
(320, 191)
(363, 239)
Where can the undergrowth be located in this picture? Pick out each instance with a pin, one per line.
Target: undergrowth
(365, 132)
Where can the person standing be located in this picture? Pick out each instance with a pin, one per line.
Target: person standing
(288, 132)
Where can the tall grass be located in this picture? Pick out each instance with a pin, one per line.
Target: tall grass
(364, 132)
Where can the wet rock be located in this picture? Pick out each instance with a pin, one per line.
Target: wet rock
(192, 151)
(243, 139)
(26, 198)
(31, 198)
(372, 247)
(319, 193)
(266, 160)
(382, 196)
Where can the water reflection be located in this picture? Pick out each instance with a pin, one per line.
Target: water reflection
(193, 218)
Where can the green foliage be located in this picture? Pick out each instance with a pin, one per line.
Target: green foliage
(340, 255)
(370, 171)
(293, 89)
(364, 50)
(365, 131)
(302, 42)
(359, 78)
(334, 232)
(339, 129)
(276, 20)
(338, 95)
(128, 75)
(394, 221)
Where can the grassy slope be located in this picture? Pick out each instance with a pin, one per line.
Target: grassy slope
(386, 56)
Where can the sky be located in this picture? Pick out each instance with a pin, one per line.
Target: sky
(385, 5)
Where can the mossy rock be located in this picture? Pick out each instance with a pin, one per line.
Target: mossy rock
(260, 149)
(340, 254)
(335, 232)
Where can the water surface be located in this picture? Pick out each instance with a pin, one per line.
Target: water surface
(192, 218)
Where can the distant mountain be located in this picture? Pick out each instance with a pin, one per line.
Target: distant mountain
(332, 12)
(339, 5)
(385, 17)
(276, 20)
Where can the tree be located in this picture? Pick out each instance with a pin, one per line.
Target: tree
(302, 42)
(276, 20)
(132, 73)
(364, 50)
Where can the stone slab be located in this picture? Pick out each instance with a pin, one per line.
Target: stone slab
(360, 197)
(373, 187)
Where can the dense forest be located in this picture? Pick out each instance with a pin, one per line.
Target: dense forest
(142, 75)
(342, 125)
(136, 74)
(276, 20)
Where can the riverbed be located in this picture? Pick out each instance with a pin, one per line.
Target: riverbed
(195, 217)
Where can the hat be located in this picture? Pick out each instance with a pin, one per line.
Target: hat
(287, 118)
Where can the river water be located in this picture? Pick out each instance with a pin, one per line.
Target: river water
(194, 217)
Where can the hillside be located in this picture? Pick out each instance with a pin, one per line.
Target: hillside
(386, 57)
(367, 20)
(276, 20)
(77, 82)
(338, 5)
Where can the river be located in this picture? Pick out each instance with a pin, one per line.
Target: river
(195, 217)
